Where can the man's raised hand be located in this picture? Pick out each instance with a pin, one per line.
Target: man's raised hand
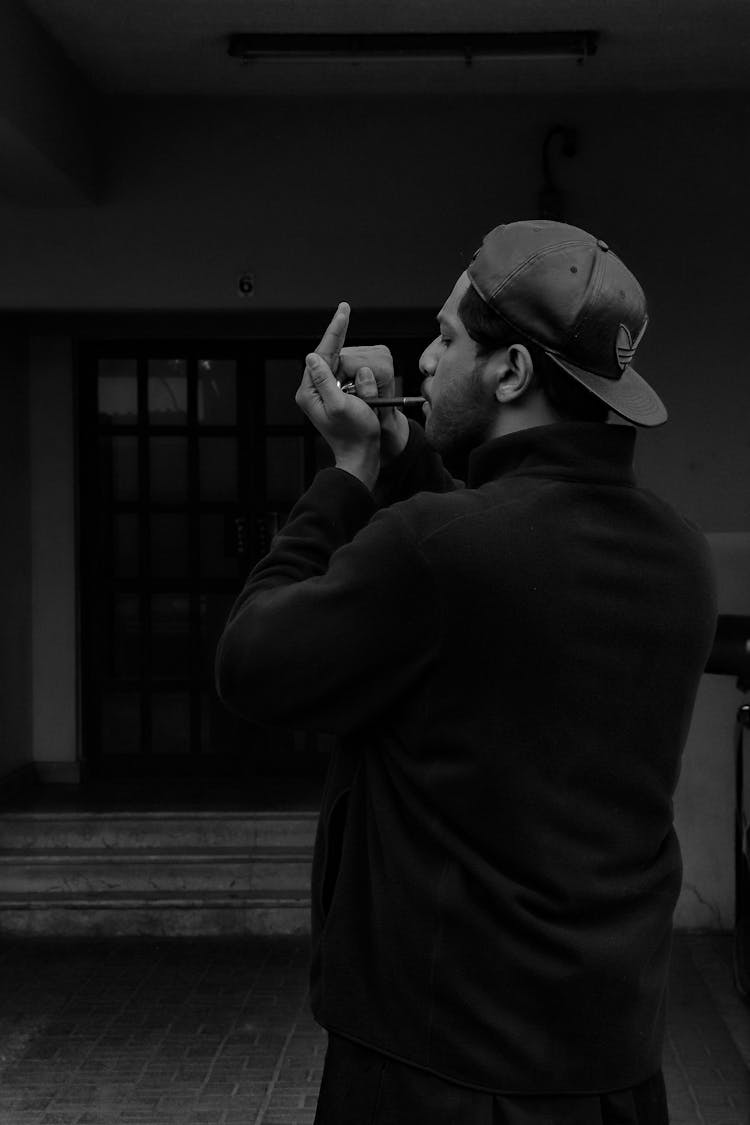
(377, 358)
(349, 426)
(348, 430)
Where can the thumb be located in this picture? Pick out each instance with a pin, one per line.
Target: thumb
(321, 376)
(365, 383)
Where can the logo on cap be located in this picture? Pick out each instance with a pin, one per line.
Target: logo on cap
(625, 345)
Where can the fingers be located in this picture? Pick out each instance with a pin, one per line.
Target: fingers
(368, 387)
(365, 383)
(334, 336)
(321, 380)
(377, 357)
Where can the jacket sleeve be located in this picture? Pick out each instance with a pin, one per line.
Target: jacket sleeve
(417, 469)
(335, 626)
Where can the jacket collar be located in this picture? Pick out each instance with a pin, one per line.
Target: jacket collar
(593, 451)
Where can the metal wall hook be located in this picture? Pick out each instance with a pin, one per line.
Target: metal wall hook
(551, 204)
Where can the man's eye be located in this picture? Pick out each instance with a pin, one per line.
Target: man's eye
(444, 340)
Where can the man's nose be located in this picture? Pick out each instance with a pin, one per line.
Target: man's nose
(428, 359)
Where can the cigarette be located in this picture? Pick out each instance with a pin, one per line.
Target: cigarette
(382, 403)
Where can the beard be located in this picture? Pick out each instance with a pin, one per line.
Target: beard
(462, 418)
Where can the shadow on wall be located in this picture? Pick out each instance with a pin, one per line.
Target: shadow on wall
(705, 798)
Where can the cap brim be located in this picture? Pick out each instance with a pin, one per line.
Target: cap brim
(629, 396)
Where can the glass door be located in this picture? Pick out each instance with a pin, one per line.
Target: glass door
(191, 456)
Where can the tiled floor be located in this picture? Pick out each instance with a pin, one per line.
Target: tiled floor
(219, 1032)
(707, 1052)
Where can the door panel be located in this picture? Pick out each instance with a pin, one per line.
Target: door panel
(192, 455)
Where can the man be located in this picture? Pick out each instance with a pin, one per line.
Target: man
(511, 667)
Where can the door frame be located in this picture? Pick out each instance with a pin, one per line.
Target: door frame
(414, 328)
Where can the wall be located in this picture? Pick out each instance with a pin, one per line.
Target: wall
(705, 796)
(15, 585)
(47, 116)
(383, 203)
(53, 570)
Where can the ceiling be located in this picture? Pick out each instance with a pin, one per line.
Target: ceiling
(178, 47)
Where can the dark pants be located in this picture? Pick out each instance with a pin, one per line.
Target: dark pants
(362, 1087)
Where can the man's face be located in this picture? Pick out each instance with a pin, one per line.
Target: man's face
(460, 407)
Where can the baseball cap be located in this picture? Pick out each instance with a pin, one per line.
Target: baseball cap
(566, 291)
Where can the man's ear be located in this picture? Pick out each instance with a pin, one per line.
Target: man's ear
(514, 373)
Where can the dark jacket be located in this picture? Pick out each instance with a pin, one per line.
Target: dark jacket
(513, 667)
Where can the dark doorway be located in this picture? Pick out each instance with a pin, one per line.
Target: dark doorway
(192, 454)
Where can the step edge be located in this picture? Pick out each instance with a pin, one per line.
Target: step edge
(36, 856)
(159, 899)
(12, 816)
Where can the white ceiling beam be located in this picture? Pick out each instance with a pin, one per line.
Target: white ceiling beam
(48, 152)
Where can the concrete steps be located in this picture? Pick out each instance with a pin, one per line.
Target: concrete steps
(155, 873)
(156, 828)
